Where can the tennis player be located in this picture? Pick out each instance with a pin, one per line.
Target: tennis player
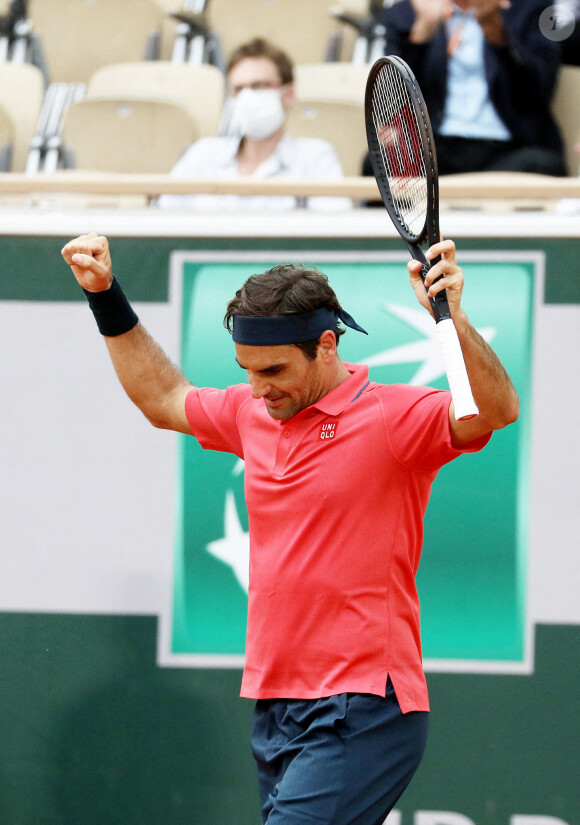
(338, 475)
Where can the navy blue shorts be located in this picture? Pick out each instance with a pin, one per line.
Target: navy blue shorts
(340, 760)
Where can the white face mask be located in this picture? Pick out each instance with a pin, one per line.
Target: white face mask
(258, 113)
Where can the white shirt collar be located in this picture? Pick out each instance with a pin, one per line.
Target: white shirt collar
(282, 157)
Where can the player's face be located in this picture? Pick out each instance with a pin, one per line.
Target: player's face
(284, 377)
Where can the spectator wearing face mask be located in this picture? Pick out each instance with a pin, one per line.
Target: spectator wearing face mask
(260, 85)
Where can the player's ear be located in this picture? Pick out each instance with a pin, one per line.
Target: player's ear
(288, 95)
(327, 345)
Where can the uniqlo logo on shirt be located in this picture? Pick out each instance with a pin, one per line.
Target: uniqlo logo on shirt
(328, 431)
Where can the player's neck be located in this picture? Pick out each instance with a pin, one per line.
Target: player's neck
(339, 375)
(253, 153)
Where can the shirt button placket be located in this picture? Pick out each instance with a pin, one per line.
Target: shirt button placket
(284, 444)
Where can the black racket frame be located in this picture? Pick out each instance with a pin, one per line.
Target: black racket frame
(430, 230)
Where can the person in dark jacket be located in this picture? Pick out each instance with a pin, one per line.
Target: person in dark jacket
(488, 75)
(570, 12)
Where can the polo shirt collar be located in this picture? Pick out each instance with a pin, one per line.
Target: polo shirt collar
(338, 399)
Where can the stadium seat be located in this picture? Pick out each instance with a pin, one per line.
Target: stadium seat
(21, 96)
(186, 36)
(6, 140)
(134, 136)
(331, 81)
(330, 105)
(341, 124)
(566, 110)
(198, 89)
(169, 6)
(77, 37)
(305, 29)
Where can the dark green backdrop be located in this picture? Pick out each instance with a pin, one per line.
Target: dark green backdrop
(93, 733)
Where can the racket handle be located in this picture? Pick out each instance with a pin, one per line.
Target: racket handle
(465, 406)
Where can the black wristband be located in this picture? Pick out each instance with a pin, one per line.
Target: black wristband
(113, 312)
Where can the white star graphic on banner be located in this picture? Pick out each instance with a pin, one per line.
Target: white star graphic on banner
(234, 548)
(425, 351)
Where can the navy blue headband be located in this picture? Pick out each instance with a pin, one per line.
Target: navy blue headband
(257, 330)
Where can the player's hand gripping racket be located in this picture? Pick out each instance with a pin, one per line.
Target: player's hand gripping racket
(402, 153)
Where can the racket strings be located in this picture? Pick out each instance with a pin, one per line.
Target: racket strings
(400, 146)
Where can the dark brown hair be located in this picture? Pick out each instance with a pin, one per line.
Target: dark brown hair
(285, 290)
(261, 48)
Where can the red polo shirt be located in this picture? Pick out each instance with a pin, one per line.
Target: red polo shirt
(336, 497)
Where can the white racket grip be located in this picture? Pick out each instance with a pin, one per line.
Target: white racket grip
(465, 406)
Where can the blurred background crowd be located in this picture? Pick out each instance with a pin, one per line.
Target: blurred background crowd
(216, 89)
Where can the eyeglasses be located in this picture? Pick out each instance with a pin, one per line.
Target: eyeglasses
(257, 86)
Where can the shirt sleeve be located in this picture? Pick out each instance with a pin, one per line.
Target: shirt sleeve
(213, 414)
(418, 431)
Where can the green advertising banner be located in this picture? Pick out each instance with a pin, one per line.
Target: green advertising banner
(472, 578)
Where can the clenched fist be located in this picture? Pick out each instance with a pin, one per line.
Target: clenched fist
(89, 258)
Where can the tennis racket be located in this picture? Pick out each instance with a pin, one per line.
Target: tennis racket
(402, 155)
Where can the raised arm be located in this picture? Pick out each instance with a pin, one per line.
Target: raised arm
(429, 14)
(149, 378)
(492, 388)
